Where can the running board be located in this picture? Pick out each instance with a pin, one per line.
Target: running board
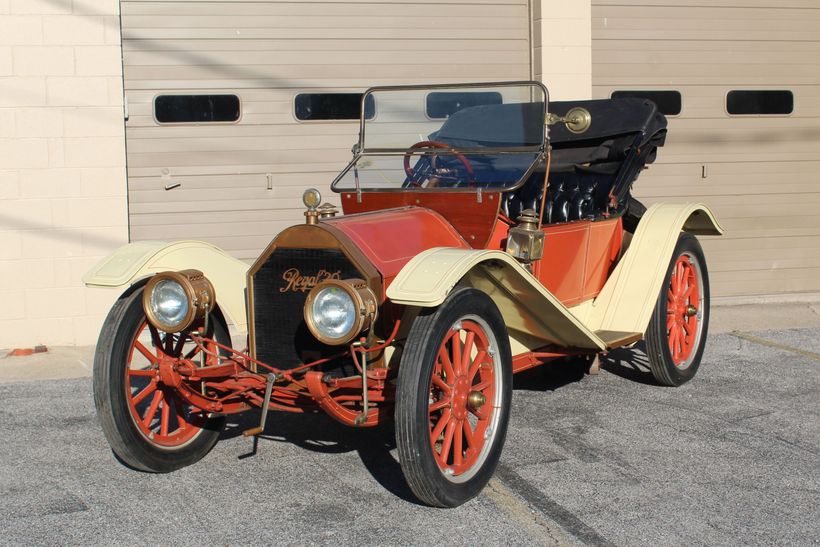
(615, 339)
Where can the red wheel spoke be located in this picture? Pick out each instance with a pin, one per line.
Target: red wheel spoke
(676, 344)
(446, 364)
(440, 425)
(181, 422)
(438, 405)
(458, 448)
(456, 342)
(439, 383)
(152, 410)
(155, 339)
(142, 372)
(148, 390)
(165, 417)
(482, 386)
(447, 444)
(681, 275)
(477, 362)
(468, 433)
(146, 353)
(478, 413)
(468, 350)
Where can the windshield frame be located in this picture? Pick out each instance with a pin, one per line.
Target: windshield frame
(539, 150)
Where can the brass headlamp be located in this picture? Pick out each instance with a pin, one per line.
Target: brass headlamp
(336, 310)
(176, 301)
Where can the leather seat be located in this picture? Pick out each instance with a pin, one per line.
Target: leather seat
(571, 196)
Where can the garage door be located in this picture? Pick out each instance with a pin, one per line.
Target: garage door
(759, 168)
(232, 172)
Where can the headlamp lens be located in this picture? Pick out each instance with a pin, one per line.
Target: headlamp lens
(334, 312)
(169, 302)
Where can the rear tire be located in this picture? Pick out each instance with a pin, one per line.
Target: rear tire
(453, 398)
(677, 331)
(148, 426)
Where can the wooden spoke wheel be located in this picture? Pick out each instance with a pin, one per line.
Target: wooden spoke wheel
(147, 423)
(677, 332)
(452, 405)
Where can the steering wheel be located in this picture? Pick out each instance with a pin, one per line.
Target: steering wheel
(431, 171)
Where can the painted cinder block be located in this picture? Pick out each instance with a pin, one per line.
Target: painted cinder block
(38, 122)
(23, 153)
(72, 30)
(98, 60)
(94, 121)
(94, 152)
(41, 6)
(22, 91)
(20, 30)
(43, 60)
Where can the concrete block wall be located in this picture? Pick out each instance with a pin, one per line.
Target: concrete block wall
(562, 47)
(63, 198)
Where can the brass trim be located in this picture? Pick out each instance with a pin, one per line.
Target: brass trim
(198, 289)
(578, 120)
(363, 298)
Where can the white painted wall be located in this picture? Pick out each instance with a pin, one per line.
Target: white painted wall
(62, 166)
(562, 47)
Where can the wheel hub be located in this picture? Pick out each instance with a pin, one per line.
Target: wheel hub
(168, 374)
(476, 400)
(461, 394)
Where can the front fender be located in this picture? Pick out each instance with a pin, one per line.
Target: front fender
(135, 261)
(534, 316)
(629, 295)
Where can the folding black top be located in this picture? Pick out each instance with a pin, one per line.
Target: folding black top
(610, 118)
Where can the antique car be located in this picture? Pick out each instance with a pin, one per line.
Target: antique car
(480, 238)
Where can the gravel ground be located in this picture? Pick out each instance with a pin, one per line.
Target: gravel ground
(730, 458)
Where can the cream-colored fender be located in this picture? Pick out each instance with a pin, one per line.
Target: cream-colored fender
(136, 261)
(629, 295)
(534, 317)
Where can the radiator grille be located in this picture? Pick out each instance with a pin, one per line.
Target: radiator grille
(280, 289)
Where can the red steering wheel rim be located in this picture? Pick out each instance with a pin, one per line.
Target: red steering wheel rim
(436, 144)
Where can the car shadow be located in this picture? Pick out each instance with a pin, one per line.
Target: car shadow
(630, 363)
(320, 433)
(551, 375)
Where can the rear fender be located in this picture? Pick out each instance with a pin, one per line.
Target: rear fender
(136, 261)
(629, 295)
(534, 316)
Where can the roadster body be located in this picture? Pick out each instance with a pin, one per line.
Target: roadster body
(480, 237)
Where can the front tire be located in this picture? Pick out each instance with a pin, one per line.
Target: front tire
(453, 399)
(148, 425)
(677, 331)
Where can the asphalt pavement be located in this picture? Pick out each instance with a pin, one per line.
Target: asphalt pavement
(730, 458)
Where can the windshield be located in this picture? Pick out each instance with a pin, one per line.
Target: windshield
(448, 137)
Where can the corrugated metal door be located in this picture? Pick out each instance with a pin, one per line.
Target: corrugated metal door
(219, 175)
(760, 174)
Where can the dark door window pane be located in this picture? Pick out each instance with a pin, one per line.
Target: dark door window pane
(669, 102)
(444, 104)
(746, 101)
(196, 108)
(332, 106)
